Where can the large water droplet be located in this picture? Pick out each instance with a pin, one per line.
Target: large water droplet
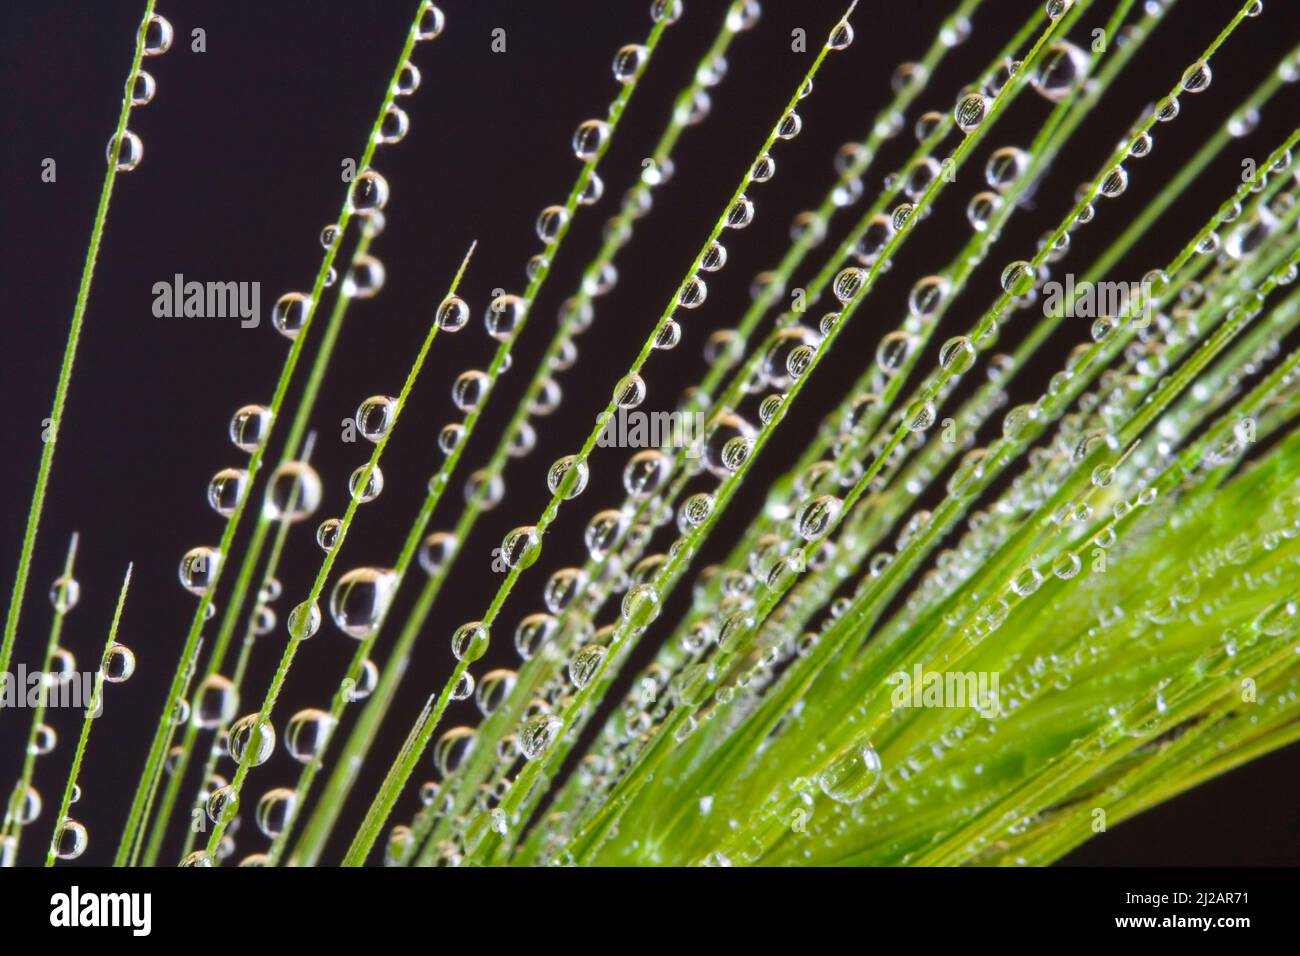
(360, 599)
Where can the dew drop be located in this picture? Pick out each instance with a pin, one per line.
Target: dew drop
(249, 427)
(119, 664)
(537, 735)
(970, 111)
(568, 476)
(71, 840)
(431, 21)
(585, 663)
(360, 599)
(158, 35)
(365, 278)
(125, 153)
(470, 389)
(199, 569)
(588, 139)
(851, 777)
(290, 313)
(629, 61)
(375, 417)
(293, 493)
(250, 737)
(1196, 77)
(368, 193)
(304, 621)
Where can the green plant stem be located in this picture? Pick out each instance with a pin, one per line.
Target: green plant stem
(69, 356)
(92, 712)
(137, 818)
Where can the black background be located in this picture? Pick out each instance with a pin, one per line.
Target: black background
(243, 145)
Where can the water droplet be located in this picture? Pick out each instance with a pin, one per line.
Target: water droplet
(957, 355)
(1114, 182)
(290, 313)
(1004, 167)
(436, 550)
(293, 493)
(714, 258)
(981, 209)
(430, 24)
(1057, 8)
(249, 427)
(853, 776)
(307, 733)
(894, 350)
(741, 214)
(484, 490)
(199, 569)
(365, 278)
(919, 415)
(375, 417)
(1062, 71)
(327, 534)
(44, 740)
(630, 391)
(848, 284)
(970, 111)
(841, 36)
(1018, 278)
(143, 89)
(629, 61)
(215, 703)
(71, 840)
(790, 125)
(119, 664)
(645, 473)
(588, 139)
(226, 490)
(1066, 565)
(125, 153)
(275, 811)
(394, 126)
(368, 193)
(692, 293)
(360, 599)
(65, 592)
(256, 739)
(408, 80)
(537, 734)
(522, 547)
(452, 748)
(640, 606)
(304, 621)
(585, 663)
(562, 587)
(536, 629)
(1167, 109)
(157, 36)
(470, 389)
(817, 515)
(727, 439)
(1196, 77)
(568, 476)
(223, 804)
(550, 222)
